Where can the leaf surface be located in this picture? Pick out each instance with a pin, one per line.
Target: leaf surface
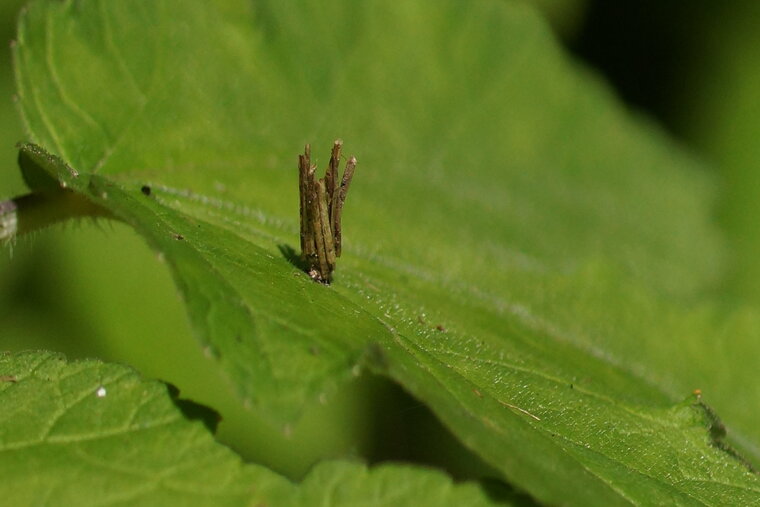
(519, 254)
(92, 433)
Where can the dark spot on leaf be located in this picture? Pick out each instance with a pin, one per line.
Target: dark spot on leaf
(440, 328)
(314, 350)
(178, 237)
(145, 190)
(238, 338)
(7, 378)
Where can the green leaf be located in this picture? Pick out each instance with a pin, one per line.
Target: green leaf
(91, 433)
(519, 254)
(88, 432)
(278, 352)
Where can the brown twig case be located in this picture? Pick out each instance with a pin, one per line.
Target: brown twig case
(321, 209)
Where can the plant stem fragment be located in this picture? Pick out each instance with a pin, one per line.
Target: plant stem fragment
(35, 211)
(321, 209)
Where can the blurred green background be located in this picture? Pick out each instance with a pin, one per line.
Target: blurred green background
(95, 290)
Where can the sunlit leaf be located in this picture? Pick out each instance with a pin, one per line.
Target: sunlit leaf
(91, 433)
(519, 254)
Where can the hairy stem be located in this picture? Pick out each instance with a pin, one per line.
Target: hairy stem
(38, 210)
